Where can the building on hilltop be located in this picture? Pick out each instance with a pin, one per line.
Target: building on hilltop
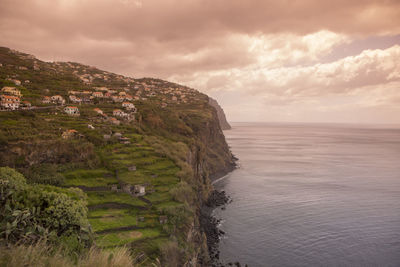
(58, 99)
(75, 99)
(70, 110)
(139, 190)
(97, 94)
(68, 134)
(26, 104)
(46, 100)
(129, 106)
(9, 102)
(114, 121)
(119, 113)
(11, 91)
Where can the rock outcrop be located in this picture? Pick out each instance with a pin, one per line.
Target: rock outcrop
(221, 114)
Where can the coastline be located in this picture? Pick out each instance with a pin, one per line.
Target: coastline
(209, 223)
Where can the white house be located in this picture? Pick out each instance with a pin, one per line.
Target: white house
(11, 91)
(97, 94)
(10, 102)
(70, 110)
(129, 106)
(119, 113)
(75, 99)
(58, 99)
(46, 100)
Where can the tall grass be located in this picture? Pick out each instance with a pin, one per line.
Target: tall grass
(42, 255)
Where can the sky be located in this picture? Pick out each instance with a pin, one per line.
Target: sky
(263, 60)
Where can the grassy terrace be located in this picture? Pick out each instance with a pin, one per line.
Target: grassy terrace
(126, 237)
(108, 222)
(89, 178)
(152, 168)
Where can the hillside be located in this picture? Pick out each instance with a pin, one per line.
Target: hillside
(142, 150)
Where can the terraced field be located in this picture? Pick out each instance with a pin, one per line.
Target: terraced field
(118, 218)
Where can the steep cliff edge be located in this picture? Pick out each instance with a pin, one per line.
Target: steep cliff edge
(221, 114)
(143, 150)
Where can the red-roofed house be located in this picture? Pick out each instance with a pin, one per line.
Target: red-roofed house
(9, 102)
(129, 106)
(71, 110)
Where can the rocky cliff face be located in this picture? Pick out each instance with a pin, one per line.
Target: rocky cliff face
(221, 114)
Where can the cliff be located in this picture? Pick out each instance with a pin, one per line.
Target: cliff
(221, 114)
(143, 150)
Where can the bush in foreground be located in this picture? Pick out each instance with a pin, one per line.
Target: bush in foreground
(29, 213)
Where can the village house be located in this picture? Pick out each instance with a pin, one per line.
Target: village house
(68, 134)
(174, 98)
(114, 188)
(58, 99)
(46, 100)
(104, 89)
(16, 82)
(115, 121)
(74, 111)
(139, 190)
(117, 98)
(119, 113)
(9, 102)
(26, 104)
(75, 99)
(98, 111)
(129, 106)
(107, 95)
(163, 219)
(118, 135)
(11, 91)
(164, 105)
(97, 94)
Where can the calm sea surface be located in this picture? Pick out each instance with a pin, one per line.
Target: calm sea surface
(312, 195)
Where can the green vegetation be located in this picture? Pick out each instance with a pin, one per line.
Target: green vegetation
(125, 237)
(41, 254)
(29, 213)
(171, 151)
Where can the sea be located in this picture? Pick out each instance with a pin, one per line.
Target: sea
(312, 195)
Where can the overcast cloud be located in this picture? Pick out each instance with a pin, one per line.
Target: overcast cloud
(309, 60)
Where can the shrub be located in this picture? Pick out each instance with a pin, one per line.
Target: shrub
(29, 213)
(171, 254)
(183, 193)
(44, 174)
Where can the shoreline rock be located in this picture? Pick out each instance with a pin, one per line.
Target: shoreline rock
(210, 224)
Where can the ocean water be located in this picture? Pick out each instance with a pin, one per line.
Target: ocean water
(312, 195)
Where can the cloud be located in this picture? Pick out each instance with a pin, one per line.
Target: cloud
(276, 54)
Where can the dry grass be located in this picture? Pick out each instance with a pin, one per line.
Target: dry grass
(41, 255)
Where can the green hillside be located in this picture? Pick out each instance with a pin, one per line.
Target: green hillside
(168, 146)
